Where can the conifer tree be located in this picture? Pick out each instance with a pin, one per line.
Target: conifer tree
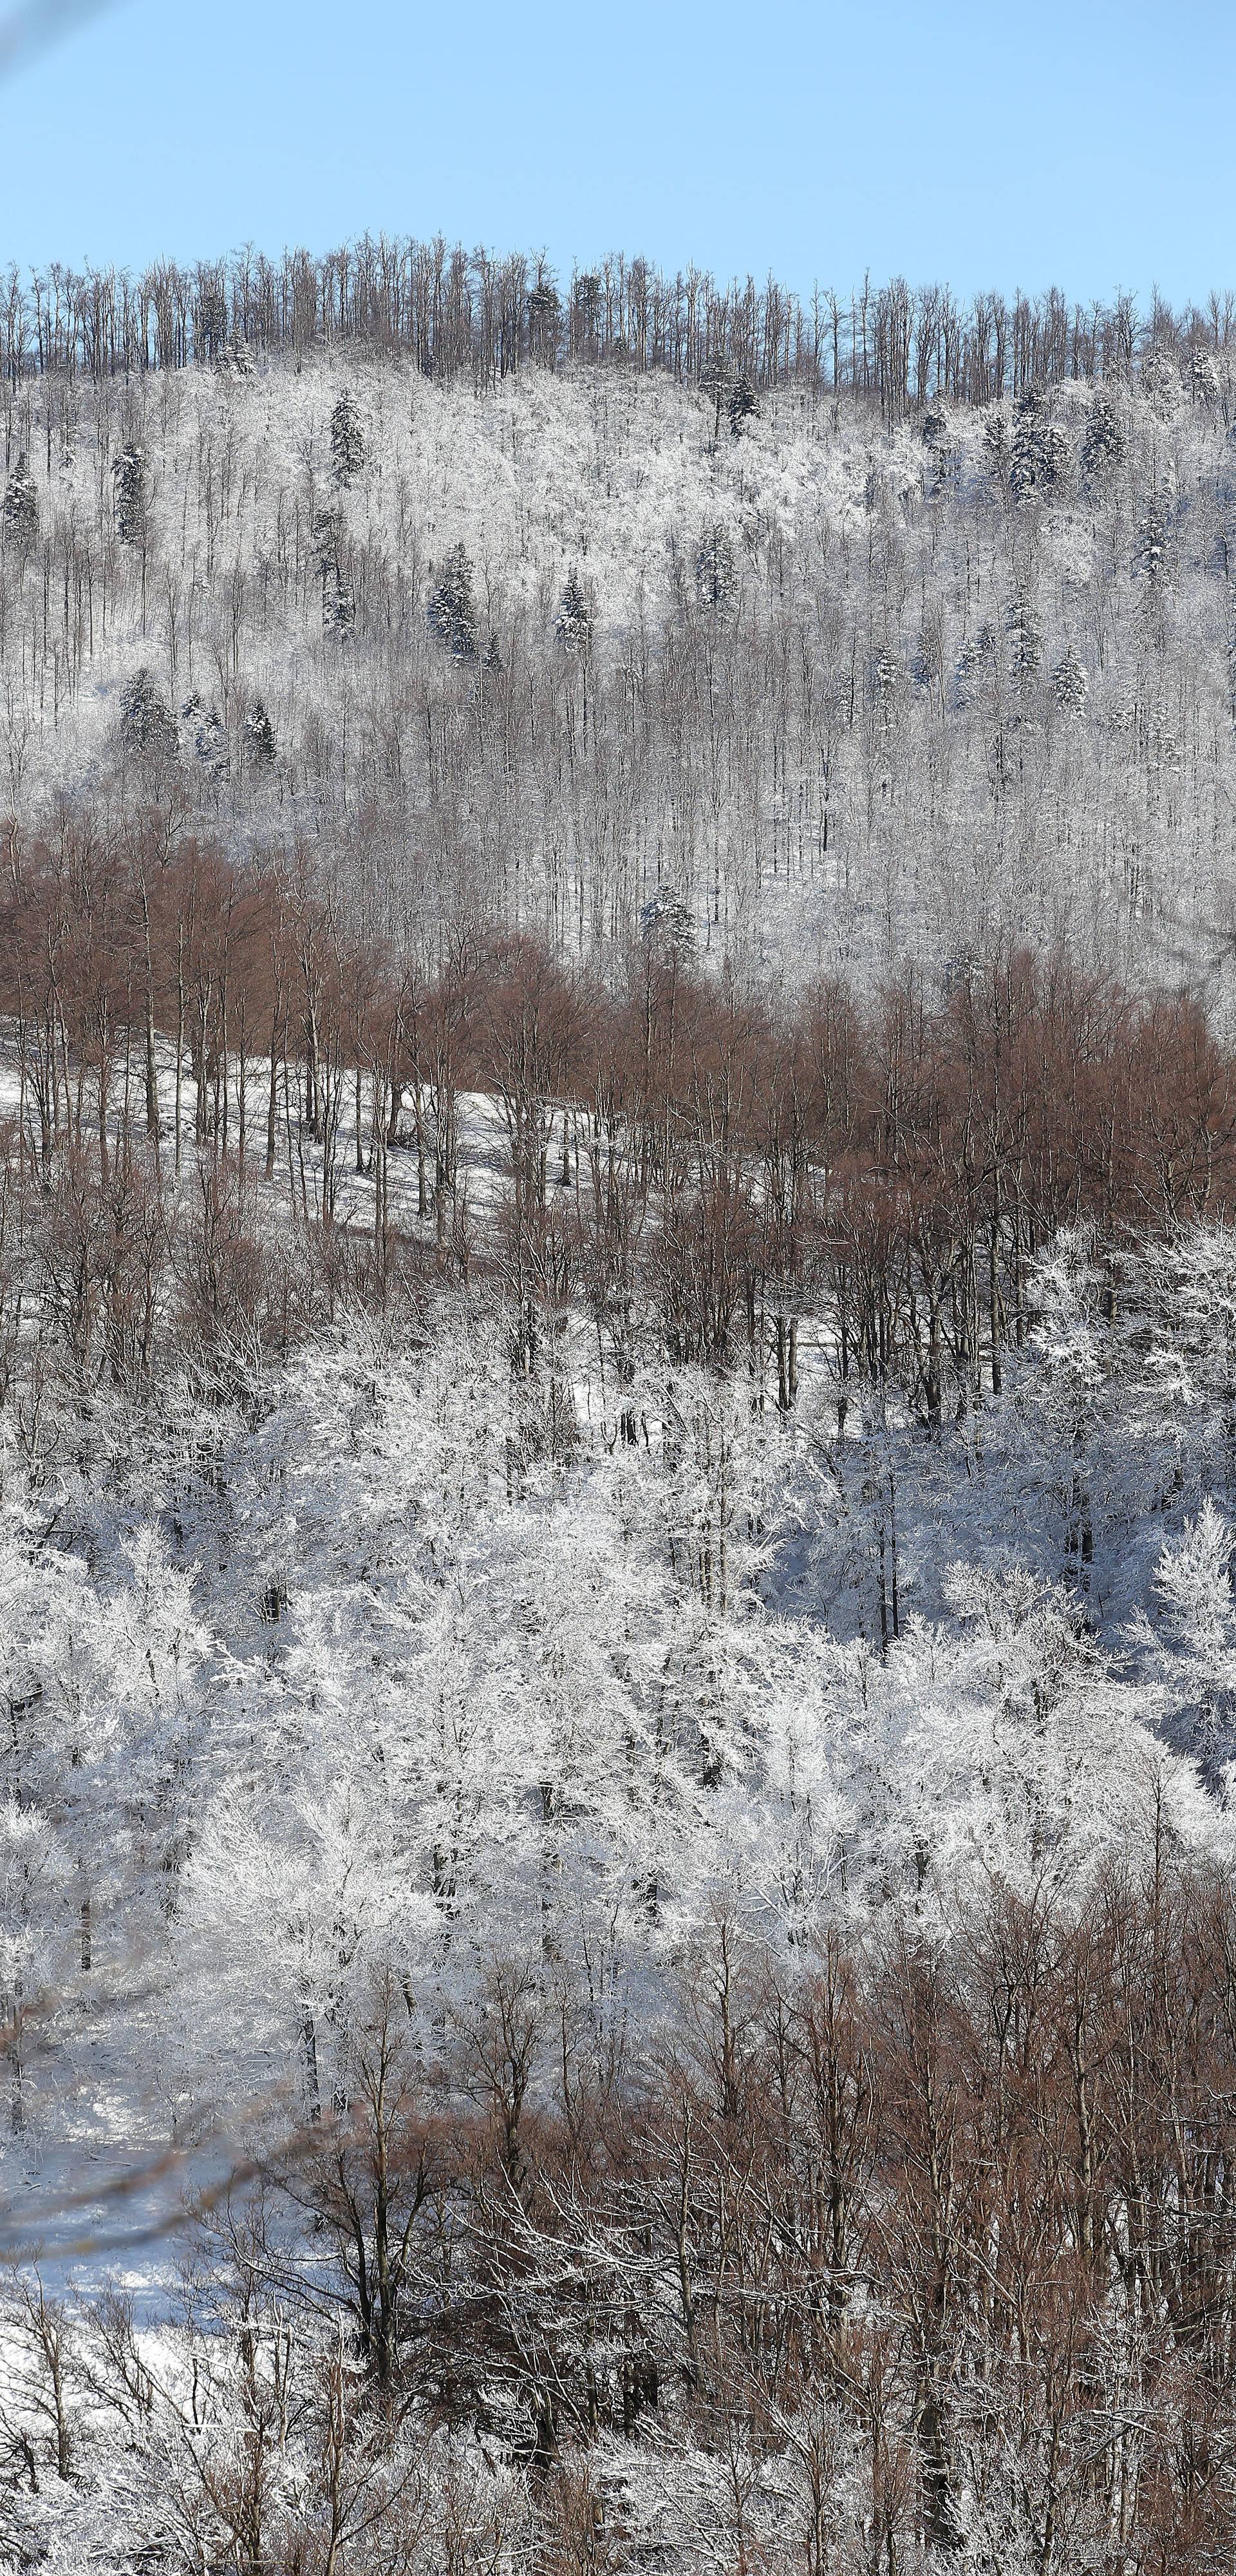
(996, 448)
(1025, 639)
(885, 677)
(1104, 444)
(259, 736)
(573, 625)
(147, 725)
(716, 580)
(21, 509)
(129, 472)
(743, 405)
(209, 735)
(451, 611)
(1150, 556)
(668, 926)
(1039, 460)
(347, 441)
(1070, 684)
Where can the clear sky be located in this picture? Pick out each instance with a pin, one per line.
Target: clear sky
(1089, 144)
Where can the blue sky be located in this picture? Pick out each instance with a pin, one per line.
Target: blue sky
(1089, 144)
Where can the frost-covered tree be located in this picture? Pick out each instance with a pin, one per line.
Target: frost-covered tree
(129, 478)
(573, 625)
(20, 508)
(886, 677)
(997, 449)
(977, 659)
(1160, 381)
(451, 611)
(743, 403)
(348, 450)
(1070, 685)
(259, 736)
(1025, 638)
(1104, 445)
(1039, 456)
(147, 726)
(209, 735)
(716, 577)
(1151, 557)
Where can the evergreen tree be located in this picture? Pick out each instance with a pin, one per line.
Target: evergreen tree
(543, 321)
(1025, 640)
(1070, 684)
(716, 580)
(147, 725)
(1104, 444)
(129, 473)
(1039, 459)
(742, 405)
(451, 611)
(668, 926)
(573, 625)
(325, 537)
(996, 448)
(209, 735)
(21, 509)
(338, 603)
(885, 678)
(1150, 555)
(347, 441)
(259, 736)
(1203, 378)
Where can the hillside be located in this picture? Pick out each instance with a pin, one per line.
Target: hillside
(617, 1434)
(836, 689)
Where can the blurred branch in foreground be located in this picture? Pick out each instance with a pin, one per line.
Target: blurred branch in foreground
(31, 30)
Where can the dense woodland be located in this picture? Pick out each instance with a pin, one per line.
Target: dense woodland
(617, 1429)
(837, 681)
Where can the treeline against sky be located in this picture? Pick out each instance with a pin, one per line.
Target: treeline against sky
(469, 313)
(678, 1156)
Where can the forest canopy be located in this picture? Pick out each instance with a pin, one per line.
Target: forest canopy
(617, 1426)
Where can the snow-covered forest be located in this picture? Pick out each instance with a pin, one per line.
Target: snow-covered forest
(849, 654)
(617, 1429)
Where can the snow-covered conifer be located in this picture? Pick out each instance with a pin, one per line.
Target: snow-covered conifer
(348, 451)
(716, 580)
(1104, 445)
(147, 726)
(451, 611)
(1070, 685)
(21, 508)
(1025, 636)
(129, 474)
(743, 404)
(259, 736)
(573, 625)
